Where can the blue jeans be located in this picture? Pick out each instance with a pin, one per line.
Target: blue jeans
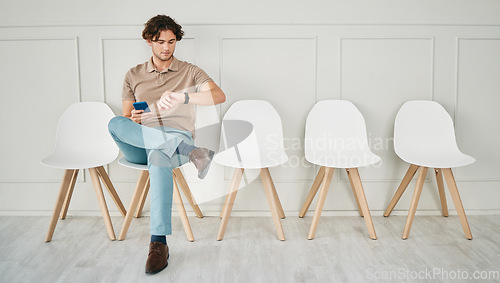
(155, 147)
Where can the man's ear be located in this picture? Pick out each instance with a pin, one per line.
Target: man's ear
(149, 42)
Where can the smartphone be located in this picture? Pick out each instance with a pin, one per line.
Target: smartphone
(142, 105)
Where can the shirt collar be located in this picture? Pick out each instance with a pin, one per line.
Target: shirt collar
(174, 66)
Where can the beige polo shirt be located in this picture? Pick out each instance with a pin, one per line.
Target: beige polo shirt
(145, 83)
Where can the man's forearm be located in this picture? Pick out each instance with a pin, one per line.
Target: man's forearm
(211, 95)
(206, 98)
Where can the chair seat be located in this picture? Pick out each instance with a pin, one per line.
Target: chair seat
(123, 161)
(77, 160)
(424, 135)
(252, 138)
(346, 159)
(83, 142)
(438, 159)
(336, 137)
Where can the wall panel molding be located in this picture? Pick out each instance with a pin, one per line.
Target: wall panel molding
(441, 53)
(314, 63)
(432, 39)
(40, 39)
(457, 98)
(341, 176)
(225, 24)
(124, 38)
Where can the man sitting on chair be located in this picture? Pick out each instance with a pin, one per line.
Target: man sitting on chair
(162, 135)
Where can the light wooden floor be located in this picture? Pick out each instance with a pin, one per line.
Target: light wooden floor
(250, 252)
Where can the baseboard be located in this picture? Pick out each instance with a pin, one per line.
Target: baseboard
(375, 213)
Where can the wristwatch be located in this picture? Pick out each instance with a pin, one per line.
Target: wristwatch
(186, 99)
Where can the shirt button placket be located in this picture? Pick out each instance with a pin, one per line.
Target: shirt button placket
(159, 80)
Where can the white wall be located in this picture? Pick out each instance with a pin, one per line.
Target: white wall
(377, 54)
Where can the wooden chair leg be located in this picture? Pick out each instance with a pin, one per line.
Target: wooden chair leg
(63, 191)
(228, 206)
(225, 202)
(401, 189)
(414, 201)
(111, 189)
(272, 201)
(67, 200)
(313, 191)
(182, 213)
(102, 202)
(354, 192)
(138, 192)
(144, 195)
(321, 201)
(452, 186)
(267, 175)
(358, 187)
(187, 192)
(442, 195)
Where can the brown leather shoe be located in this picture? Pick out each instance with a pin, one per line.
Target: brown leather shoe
(157, 258)
(201, 158)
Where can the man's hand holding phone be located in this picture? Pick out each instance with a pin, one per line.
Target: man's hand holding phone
(141, 111)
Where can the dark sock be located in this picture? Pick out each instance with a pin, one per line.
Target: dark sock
(155, 238)
(185, 149)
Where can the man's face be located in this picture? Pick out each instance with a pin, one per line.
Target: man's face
(164, 47)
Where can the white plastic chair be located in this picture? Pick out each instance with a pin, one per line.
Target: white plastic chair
(83, 141)
(141, 193)
(336, 138)
(252, 138)
(424, 137)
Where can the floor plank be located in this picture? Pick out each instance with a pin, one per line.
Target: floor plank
(251, 252)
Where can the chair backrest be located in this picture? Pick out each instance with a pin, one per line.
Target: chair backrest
(251, 136)
(423, 126)
(83, 131)
(336, 135)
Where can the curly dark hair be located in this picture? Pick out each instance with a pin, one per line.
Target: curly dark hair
(159, 23)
